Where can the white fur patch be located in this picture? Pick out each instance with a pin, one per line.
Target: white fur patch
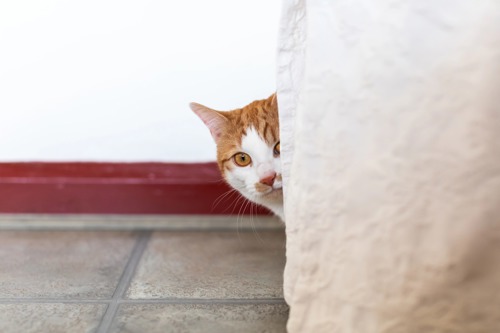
(264, 163)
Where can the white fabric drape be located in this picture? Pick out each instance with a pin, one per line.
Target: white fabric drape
(390, 131)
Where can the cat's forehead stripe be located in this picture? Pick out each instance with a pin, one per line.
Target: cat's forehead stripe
(253, 144)
(262, 115)
(263, 129)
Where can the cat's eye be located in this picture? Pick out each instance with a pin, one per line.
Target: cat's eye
(242, 159)
(277, 150)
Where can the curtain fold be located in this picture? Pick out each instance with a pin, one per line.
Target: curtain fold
(290, 68)
(390, 131)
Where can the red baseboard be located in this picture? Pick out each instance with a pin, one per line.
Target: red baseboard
(117, 188)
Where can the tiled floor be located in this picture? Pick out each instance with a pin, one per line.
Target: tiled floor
(141, 274)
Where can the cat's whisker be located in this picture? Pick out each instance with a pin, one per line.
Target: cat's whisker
(246, 204)
(251, 218)
(242, 209)
(219, 181)
(235, 197)
(221, 197)
(251, 207)
(255, 231)
(236, 202)
(238, 221)
(231, 198)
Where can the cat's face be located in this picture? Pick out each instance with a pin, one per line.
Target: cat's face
(254, 167)
(248, 149)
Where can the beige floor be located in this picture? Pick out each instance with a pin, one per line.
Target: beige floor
(141, 274)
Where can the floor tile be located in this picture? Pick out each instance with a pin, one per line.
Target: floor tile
(211, 265)
(62, 264)
(53, 318)
(202, 318)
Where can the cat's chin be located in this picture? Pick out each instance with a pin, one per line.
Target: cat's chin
(273, 200)
(274, 195)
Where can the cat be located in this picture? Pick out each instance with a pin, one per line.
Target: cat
(248, 150)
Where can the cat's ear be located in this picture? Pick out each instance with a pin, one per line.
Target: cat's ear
(214, 120)
(273, 100)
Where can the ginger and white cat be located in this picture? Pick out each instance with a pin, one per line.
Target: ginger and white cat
(248, 150)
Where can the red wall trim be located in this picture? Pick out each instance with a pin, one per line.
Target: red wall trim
(118, 188)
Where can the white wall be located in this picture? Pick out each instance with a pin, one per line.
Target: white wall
(109, 80)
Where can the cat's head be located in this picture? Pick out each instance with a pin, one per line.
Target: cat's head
(248, 148)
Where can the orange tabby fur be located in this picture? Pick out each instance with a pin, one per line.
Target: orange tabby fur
(261, 114)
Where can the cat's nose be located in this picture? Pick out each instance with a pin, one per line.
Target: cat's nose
(269, 180)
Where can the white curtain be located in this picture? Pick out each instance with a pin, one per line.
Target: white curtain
(390, 131)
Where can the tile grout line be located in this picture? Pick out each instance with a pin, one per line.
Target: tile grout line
(124, 282)
(145, 301)
(236, 301)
